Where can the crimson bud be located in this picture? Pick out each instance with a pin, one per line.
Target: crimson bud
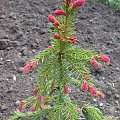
(22, 102)
(104, 58)
(42, 107)
(93, 91)
(66, 90)
(29, 66)
(56, 23)
(35, 91)
(73, 39)
(101, 95)
(59, 12)
(33, 107)
(57, 36)
(78, 110)
(87, 77)
(51, 18)
(94, 62)
(50, 46)
(40, 98)
(85, 86)
(78, 3)
(21, 107)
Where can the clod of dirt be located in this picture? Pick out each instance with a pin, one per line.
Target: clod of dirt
(3, 44)
(3, 108)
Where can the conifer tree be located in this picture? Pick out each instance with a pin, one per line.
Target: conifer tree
(60, 65)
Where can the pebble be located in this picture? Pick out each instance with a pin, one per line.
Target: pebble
(8, 60)
(101, 104)
(42, 31)
(109, 92)
(117, 96)
(118, 107)
(7, 79)
(20, 70)
(3, 107)
(1, 63)
(14, 77)
(24, 51)
(10, 90)
(95, 100)
(112, 110)
(5, 37)
(116, 102)
(117, 68)
(103, 78)
(17, 103)
(2, 16)
(82, 118)
(12, 15)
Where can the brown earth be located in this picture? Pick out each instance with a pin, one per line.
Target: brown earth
(24, 32)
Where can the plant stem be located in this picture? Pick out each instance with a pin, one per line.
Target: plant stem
(66, 22)
(62, 44)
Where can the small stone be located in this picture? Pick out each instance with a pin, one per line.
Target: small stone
(1, 63)
(20, 70)
(116, 102)
(117, 96)
(2, 16)
(117, 68)
(103, 78)
(82, 119)
(24, 51)
(112, 110)
(3, 107)
(95, 100)
(12, 15)
(17, 103)
(42, 31)
(8, 60)
(118, 107)
(33, 51)
(10, 90)
(5, 37)
(14, 77)
(101, 104)
(109, 92)
(95, 105)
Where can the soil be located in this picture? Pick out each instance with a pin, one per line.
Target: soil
(24, 32)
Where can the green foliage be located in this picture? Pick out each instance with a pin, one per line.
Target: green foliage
(37, 115)
(92, 113)
(113, 3)
(63, 112)
(109, 118)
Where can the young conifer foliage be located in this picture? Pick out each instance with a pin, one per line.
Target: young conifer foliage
(57, 66)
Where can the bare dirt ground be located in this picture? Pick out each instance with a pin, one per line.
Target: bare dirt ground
(24, 32)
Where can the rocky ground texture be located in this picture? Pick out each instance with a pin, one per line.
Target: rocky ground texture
(24, 32)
